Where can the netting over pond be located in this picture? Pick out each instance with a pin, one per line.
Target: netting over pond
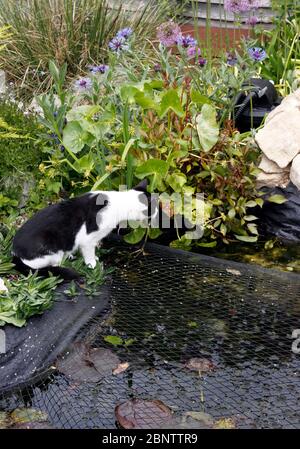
(196, 333)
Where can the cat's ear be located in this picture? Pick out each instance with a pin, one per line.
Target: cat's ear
(142, 186)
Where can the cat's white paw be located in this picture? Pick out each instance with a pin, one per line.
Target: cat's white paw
(92, 263)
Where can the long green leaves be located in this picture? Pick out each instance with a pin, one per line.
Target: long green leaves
(76, 32)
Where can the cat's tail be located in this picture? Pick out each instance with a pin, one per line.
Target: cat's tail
(67, 274)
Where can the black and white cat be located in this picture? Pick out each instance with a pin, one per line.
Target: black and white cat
(78, 223)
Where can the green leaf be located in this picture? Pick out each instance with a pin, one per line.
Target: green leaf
(177, 181)
(74, 137)
(84, 111)
(154, 84)
(252, 228)
(85, 163)
(231, 213)
(223, 229)
(198, 98)
(151, 167)
(260, 202)
(251, 203)
(277, 199)
(10, 318)
(154, 233)
(128, 92)
(246, 238)
(135, 236)
(171, 101)
(250, 217)
(113, 340)
(208, 245)
(145, 101)
(207, 127)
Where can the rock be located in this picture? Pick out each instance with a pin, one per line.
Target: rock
(290, 102)
(295, 172)
(279, 139)
(268, 166)
(272, 179)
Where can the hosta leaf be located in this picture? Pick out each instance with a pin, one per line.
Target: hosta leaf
(207, 127)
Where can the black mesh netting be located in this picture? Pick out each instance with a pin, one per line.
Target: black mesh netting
(196, 333)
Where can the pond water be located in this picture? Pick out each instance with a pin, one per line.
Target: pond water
(198, 334)
(285, 257)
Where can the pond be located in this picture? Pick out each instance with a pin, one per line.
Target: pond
(200, 335)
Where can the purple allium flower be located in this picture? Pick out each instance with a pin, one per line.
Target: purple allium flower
(202, 62)
(102, 68)
(125, 33)
(62, 148)
(257, 54)
(83, 84)
(239, 6)
(192, 51)
(157, 67)
(118, 44)
(231, 59)
(168, 33)
(252, 21)
(186, 41)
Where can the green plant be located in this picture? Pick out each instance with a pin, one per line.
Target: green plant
(20, 153)
(173, 127)
(76, 32)
(282, 44)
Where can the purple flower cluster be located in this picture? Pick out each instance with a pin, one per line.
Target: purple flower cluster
(120, 42)
(240, 6)
(83, 84)
(168, 33)
(258, 54)
(193, 51)
(252, 20)
(102, 68)
(202, 62)
(125, 33)
(186, 41)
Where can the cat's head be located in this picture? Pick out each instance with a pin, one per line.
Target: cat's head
(148, 207)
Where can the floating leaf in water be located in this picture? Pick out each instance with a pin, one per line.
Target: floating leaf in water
(28, 415)
(224, 423)
(113, 340)
(198, 364)
(205, 421)
(142, 414)
(85, 364)
(121, 368)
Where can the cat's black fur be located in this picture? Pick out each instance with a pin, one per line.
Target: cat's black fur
(53, 229)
